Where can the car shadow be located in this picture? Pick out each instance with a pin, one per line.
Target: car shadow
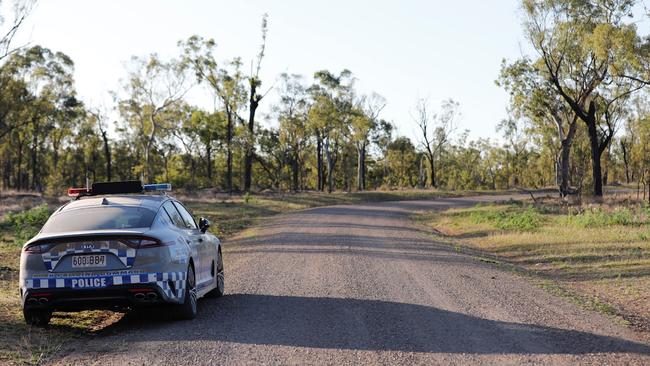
(355, 324)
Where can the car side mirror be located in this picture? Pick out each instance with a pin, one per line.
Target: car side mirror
(204, 224)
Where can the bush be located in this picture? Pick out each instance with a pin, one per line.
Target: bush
(597, 217)
(24, 225)
(509, 219)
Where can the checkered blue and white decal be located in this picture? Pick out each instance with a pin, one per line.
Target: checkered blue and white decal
(126, 256)
(161, 279)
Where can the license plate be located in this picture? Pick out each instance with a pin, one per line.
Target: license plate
(86, 261)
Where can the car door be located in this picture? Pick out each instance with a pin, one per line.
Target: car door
(204, 259)
(187, 233)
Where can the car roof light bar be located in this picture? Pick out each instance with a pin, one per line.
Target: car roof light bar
(104, 188)
(166, 187)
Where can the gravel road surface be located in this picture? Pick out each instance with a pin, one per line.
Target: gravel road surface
(362, 285)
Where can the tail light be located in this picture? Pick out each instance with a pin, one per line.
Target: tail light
(37, 248)
(144, 243)
(153, 243)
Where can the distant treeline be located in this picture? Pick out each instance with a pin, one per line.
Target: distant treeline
(578, 119)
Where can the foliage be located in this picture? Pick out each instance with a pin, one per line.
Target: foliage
(322, 134)
(24, 225)
(507, 218)
(599, 217)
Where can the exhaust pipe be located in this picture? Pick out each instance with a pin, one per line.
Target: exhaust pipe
(43, 300)
(152, 296)
(139, 296)
(32, 300)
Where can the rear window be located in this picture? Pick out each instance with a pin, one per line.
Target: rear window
(99, 218)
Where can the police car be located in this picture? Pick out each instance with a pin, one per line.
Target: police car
(120, 246)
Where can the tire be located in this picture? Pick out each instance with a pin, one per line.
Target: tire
(220, 277)
(37, 317)
(188, 309)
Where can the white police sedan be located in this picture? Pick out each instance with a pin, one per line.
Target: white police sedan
(120, 246)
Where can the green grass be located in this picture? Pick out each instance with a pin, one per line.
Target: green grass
(508, 218)
(601, 253)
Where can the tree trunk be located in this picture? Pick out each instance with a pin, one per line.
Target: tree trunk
(208, 158)
(107, 156)
(19, 171)
(596, 169)
(626, 161)
(432, 173)
(565, 154)
(229, 152)
(565, 158)
(250, 148)
(330, 166)
(361, 167)
(34, 160)
(421, 176)
(596, 152)
(319, 158)
(295, 170)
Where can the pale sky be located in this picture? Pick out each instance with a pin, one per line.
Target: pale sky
(400, 49)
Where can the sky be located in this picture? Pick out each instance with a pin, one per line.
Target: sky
(403, 50)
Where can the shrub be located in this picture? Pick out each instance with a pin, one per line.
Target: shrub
(508, 218)
(597, 217)
(24, 225)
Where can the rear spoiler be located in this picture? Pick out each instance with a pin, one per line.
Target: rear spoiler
(85, 235)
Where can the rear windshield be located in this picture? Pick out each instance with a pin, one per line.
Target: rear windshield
(99, 218)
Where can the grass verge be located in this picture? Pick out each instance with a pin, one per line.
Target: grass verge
(598, 256)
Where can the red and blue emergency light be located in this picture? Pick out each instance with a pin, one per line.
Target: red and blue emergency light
(133, 186)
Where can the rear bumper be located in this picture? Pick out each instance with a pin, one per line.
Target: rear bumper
(112, 298)
(103, 291)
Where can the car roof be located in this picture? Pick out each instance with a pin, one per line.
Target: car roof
(152, 202)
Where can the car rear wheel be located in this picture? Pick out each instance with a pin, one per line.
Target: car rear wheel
(220, 289)
(37, 317)
(188, 309)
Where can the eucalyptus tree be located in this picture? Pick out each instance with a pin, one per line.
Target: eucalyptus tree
(225, 82)
(587, 52)
(331, 114)
(254, 99)
(381, 137)
(364, 121)
(402, 159)
(209, 129)
(534, 98)
(436, 129)
(99, 117)
(48, 104)
(292, 114)
(153, 89)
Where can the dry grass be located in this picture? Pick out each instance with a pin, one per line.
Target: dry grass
(601, 252)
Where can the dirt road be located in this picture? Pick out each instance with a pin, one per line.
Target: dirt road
(361, 285)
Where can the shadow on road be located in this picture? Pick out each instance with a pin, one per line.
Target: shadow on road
(321, 322)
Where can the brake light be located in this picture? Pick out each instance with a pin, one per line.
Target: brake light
(75, 192)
